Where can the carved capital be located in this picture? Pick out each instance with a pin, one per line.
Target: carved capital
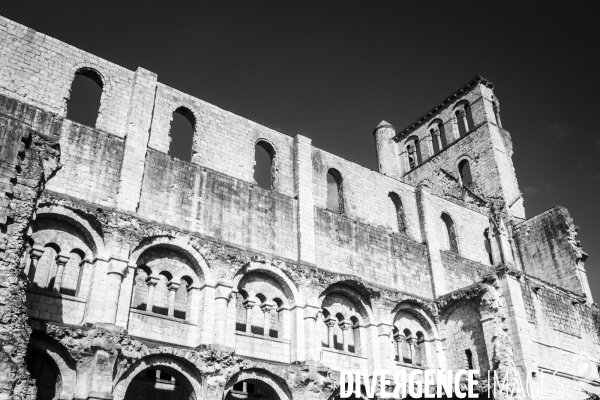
(62, 258)
(36, 252)
(152, 280)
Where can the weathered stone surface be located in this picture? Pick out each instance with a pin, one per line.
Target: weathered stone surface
(145, 276)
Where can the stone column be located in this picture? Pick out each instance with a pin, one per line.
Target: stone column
(429, 143)
(494, 249)
(152, 281)
(266, 308)
(172, 286)
(61, 261)
(248, 305)
(344, 326)
(497, 114)
(399, 339)
(438, 139)
(303, 191)
(139, 120)
(384, 331)
(193, 300)
(465, 121)
(222, 294)
(310, 318)
(330, 323)
(34, 256)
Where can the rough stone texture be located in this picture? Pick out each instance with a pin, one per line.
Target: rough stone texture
(128, 260)
(28, 159)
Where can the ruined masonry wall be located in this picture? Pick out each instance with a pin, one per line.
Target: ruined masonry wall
(219, 206)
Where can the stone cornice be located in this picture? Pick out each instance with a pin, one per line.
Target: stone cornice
(478, 79)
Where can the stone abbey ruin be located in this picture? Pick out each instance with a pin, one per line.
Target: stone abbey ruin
(126, 273)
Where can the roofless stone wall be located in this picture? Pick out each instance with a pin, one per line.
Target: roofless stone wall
(145, 275)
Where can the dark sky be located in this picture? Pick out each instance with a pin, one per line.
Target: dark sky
(332, 70)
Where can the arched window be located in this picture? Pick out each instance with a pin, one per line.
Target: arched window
(488, 245)
(241, 313)
(338, 335)
(71, 279)
(400, 221)
(335, 191)
(468, 359)
(84, 98)
(183, 126)
(464, 118)
(413, 154)
(160, 304)
(258, 316)
(325, 329)
(407, 350)
(276, 319)
(397, 340)
(140, 293)
(496, 109)
(464, 170)
(450, 233)
(355, 336)
(182, 303)
(44, 274)
(438, 136)
(264, 167)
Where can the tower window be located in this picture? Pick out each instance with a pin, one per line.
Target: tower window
(264, 155)
(464, 170)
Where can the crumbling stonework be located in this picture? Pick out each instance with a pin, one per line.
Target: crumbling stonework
(129, 274)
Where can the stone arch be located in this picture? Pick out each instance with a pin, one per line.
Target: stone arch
(289, 288)
(363, 306)
(426, 320)
(176, 244)
(260, 375)
(62, 363)
(463, 331)
(94, 235)
(179, 366)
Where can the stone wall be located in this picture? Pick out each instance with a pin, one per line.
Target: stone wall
(130, 260)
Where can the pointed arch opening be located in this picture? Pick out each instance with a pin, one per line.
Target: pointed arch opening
(183, 126)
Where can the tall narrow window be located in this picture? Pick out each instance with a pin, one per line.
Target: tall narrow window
(397, 340)
(183, 126)
(46, 267)
(258, 317)
(160, 303)
(435, 141)
(325, 329)
(469, 115)
(84, 98)
(264, 173)
(450, 233)
(413, 153)
(420, 357)
(338, 335)
(335, 191)
(461, 122)
(468, 359)
(401, 223)
(182, 298)
(355, 336)
(276, 323)
(407, 348)
(72, 273)
(464, 170)
(140, 293)
(240, 312)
